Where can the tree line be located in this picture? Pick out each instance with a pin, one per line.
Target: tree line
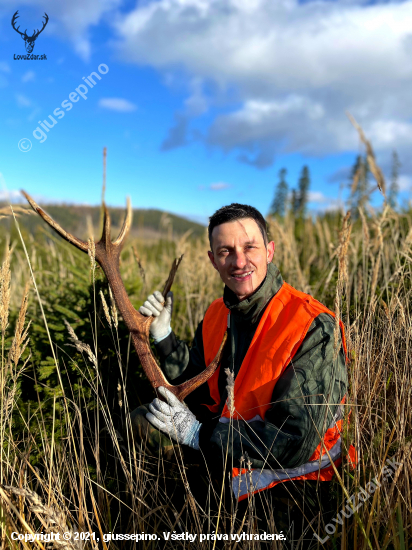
(360, 187)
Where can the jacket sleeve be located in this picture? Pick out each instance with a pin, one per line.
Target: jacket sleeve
(305, 400)
(177, 361)
(180, 363)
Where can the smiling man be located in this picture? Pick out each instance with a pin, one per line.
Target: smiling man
(289, 390)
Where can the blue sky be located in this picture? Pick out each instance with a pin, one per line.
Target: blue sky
(203, 101)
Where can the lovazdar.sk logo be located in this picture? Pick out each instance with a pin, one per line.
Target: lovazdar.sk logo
(29, 41)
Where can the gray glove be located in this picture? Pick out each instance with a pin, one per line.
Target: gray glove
(175, 419)
(160, 328)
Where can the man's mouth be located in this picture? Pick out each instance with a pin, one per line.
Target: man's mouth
(242, 276)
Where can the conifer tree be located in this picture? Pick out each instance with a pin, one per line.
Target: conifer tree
(394, 186)
(303, 191)
(278, 206)
(294, 202)
(359, 185)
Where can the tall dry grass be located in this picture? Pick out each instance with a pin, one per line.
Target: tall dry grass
(93, 477)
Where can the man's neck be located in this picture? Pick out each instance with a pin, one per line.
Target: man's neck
(250, 308)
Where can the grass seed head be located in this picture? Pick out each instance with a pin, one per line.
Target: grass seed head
(113, 308)
(80, 346)
(105, 309)
(5, 276)
(230, 379)
(20, 339)
(92, 255)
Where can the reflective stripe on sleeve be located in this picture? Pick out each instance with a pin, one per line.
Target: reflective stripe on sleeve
(263, 478)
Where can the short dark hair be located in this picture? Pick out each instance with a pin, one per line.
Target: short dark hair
(236, 211)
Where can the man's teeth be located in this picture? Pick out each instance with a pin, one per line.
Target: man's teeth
(243, 274)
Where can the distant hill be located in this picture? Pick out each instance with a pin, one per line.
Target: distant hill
(148, 223)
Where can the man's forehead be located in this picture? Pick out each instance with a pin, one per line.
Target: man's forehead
(246, 229)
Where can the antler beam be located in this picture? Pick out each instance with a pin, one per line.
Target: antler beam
(36, 34)
(108, 256)
(13, 23)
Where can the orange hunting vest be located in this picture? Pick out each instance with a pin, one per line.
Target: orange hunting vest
(281, 330)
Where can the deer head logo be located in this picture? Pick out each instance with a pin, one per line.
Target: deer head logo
(28, 40)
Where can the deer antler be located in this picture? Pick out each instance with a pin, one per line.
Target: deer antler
(36, 34)
(108, 255)
(13, 23)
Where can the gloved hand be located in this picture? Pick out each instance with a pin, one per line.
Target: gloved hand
(174, 419)
(160, 327)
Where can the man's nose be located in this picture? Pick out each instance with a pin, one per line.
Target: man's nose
(240, 259)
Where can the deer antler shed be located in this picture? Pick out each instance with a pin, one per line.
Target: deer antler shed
(108, 255)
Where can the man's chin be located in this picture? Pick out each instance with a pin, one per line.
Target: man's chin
(243, 291)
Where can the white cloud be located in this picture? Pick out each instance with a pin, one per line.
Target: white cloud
(28, 76)
(13, 196)
(405, 183)
(117, 104)
(23, 101)
(318, 197)
(323, 203)
(285, 72)
(319, 202)
(219, 186)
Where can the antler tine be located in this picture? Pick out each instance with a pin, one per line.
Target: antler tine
(13, 22)
(107, 224)
(126, 225)
(68, 236)
(46, 17)
(171, 278)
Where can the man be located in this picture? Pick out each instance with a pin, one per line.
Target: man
(285, 421)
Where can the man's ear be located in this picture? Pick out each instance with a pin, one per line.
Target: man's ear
(270, 251)
(212, 259)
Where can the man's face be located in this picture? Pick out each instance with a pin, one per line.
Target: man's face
(240, 256)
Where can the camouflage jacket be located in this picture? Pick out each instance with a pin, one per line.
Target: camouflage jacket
(311, 386)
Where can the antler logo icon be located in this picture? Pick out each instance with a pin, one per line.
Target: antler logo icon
(29, 40)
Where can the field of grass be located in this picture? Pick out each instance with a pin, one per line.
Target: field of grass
(69, 378)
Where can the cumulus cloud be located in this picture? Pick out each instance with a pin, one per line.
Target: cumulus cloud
(322, 203)
(405, 183)
(117, 104)
(285, 72)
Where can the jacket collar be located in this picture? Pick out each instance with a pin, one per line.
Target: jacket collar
(250, 309)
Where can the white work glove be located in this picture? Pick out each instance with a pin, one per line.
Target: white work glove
(160, 327)
(174, 419)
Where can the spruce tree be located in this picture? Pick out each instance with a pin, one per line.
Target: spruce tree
(359, 186)
(394, 186)
(278, 207)
(295, 202)
(303, 191)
